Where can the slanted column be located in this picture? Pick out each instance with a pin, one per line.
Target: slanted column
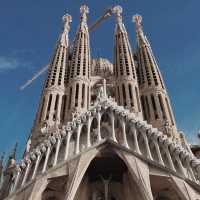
(18, 170)
(38, 153)
(113, 127)
(48, 144)
(155, 142)
(125, 142)
(180, 165)
(137, 148)
(88, 132)
(191, 172)
(169, 158)
(99, 127)
(69, 133)
(28, 161)
(147, 145)
(57, 149)
(78, 139)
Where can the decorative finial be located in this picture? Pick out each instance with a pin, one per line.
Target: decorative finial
(67, 18)
(137, 19)
(84, 9)
(118, 11)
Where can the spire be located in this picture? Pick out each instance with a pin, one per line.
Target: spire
(78, 90)
(50, 108)
(118, 11)
(141, 38)
(127, 93)
(67, 19)
(155, 101)
(84, 10)
(57, 74)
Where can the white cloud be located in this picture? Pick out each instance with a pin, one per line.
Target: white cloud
(11, 63)
(8, 63)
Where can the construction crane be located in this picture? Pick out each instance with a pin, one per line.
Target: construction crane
(107, 14)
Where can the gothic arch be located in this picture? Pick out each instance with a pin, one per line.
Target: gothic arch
(106, 125)
(82, 174)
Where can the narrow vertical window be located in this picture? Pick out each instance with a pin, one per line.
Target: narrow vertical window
(76, 95)
(137, 97)
(49, 103)
(55, 107)
(154, 107)
(124, 94)
(83, 95)
(119, 96)
(143, 108)
(63, 107)
(130, 94)
(70, 98)
(148, 108)
(49, 106)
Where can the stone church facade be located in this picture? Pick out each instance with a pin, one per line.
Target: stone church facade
(103, 131)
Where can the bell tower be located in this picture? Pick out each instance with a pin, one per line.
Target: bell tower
(50, 112)
(154, 98)
(126, 87)
(78, 79)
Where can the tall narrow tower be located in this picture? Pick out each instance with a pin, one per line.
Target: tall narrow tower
(78, 78)
(154, 98)
(50, 112)
(127, 93)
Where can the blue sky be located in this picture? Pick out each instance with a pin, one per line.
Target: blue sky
(30, 28)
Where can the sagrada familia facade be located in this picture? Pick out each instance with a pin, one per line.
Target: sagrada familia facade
(103, 131)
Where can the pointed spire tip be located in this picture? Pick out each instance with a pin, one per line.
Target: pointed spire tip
(118, 11)
(67, 18)
(137, 19)
(84, 9)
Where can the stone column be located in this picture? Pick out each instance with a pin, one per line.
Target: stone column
(113, 127)
(99, 127)
(125, 142)
(69, 133)
(78, 139)
(47, 156)
(88, 132)
(57, 150)
(137, 148)
(27, 171)
(147, 145)
(169, 158)
(18, 170)
(37, 163)
(155, 142)
(180, 165)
